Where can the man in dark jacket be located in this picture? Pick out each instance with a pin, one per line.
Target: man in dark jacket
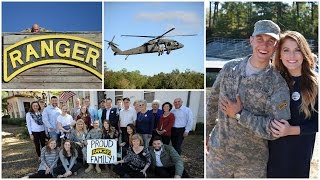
(110, 114)
(165, 161)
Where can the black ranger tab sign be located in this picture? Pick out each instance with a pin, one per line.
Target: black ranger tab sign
(52, 49)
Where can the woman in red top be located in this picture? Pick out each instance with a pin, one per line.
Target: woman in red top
(165, 123)
(85, 116)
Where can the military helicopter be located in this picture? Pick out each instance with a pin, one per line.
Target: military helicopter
(155, 45)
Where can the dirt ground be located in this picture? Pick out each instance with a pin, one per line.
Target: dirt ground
(19, 157)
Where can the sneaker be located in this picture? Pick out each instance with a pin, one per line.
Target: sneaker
(60, 176)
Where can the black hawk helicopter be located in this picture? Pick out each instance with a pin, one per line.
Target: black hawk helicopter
(156, 45)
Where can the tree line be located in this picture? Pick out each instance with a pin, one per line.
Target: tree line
(135, 80)
(237, 19)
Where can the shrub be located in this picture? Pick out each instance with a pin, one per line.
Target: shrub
(199, 129)
(6, 116)
(14, 121)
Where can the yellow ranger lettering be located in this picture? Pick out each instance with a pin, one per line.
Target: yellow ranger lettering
(15, 56)
(45, 48)
(52, 49)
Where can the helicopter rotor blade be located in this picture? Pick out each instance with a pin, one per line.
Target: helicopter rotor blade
(111, 42)
(139, 36)
(164, 33)
(154, 37)
(182, 35)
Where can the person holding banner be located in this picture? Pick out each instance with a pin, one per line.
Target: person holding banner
(78, 136)
(49, 158)
(136, 162)
(68, 157)
(108, 131)
(94, 133)
(131, 130)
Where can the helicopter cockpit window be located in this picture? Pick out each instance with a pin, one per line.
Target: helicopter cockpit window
(176, 43)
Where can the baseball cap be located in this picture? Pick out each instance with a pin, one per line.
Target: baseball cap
(267, 27)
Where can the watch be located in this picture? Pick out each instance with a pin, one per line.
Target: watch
(237, 116)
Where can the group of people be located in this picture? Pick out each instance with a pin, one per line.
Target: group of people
(143, 136)
(267, 109)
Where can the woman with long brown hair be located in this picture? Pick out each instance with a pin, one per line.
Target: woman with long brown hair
(68, 157)
(49, 158)
(108, 131)
(85, 116)
(291, 153)
(36, 127)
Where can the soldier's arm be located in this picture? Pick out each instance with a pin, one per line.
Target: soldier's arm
(213, 99)
(280, 109)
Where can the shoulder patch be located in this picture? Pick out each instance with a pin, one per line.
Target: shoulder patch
(282, 105)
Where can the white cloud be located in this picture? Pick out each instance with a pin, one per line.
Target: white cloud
(187, 19)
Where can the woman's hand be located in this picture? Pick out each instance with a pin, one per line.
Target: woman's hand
(144, 172)
(47, 170)
(280, 128)
(31, 137)
(68, 173)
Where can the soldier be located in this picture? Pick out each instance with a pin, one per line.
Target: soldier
(36, 29)
(247, 94)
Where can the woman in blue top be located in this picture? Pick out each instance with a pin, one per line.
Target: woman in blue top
(291, 153)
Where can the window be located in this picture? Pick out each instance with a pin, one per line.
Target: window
(26, 107)
(149, 96)
(118, 95)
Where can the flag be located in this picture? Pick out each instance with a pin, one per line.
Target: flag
(64, 96)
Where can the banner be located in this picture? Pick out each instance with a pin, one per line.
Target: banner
(102, 151)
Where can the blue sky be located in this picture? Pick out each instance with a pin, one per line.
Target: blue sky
(56, 16)
(153, 19)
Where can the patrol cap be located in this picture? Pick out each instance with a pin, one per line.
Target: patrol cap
(267, 27)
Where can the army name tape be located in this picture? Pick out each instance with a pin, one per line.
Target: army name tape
(52, 49)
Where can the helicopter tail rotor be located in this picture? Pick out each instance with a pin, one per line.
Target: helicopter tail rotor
(111, 42)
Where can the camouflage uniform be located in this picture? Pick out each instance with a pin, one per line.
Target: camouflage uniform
(239, 148)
